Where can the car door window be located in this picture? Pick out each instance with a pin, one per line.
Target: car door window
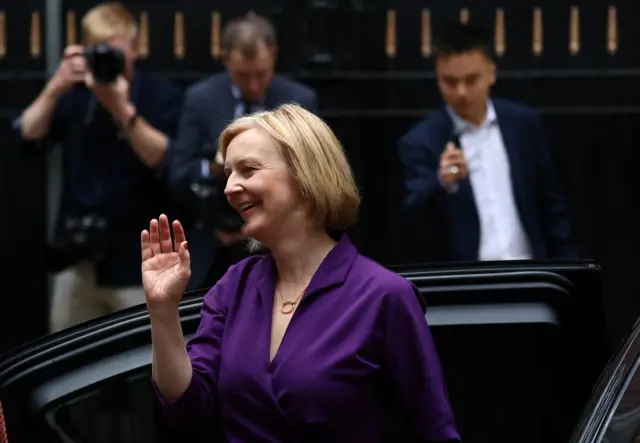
(624, 424)
(119, 410)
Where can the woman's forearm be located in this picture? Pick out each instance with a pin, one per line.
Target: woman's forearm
(171, 367)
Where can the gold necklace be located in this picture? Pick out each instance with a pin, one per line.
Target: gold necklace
(287, 307)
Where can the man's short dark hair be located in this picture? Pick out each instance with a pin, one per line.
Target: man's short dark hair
(459, 38)
(246, 33)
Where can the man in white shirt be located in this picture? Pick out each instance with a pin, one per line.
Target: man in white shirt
(479, 181)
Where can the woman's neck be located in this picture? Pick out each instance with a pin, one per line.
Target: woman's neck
(299, 257)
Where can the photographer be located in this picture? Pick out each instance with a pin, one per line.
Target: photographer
(249, 53)
(103, 110)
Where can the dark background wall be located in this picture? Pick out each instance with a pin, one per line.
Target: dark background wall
(590, 103)
(23, 192)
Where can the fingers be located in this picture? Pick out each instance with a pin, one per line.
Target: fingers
(78, 77)
(459, 162)
(77, 62)
(453, 165)
(185, 260)
(179, 236)
(89, 80)
(450, 174)
(154, 237)
(158, 239)
(166, 245)
(73, 50)
(452, 156)
(145, 246)
(452, 152)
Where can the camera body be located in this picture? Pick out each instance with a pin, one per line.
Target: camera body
(106, 63)
(206, 202)
(79, 238)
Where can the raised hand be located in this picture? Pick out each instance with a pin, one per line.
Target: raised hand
(71, 71)
(166, 266)
(453, 166)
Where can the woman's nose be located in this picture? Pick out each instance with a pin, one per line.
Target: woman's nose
(232, 186)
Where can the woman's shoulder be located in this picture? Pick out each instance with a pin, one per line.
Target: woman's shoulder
(373, 272)
(383, 283)
(238, 277)
(251, 266)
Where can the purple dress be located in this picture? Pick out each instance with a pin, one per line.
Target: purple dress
(358, 335)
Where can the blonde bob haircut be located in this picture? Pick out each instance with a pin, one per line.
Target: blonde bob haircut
(315, 159)
(108, 20)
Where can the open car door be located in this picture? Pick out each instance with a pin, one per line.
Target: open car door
(613, 413)
(521, 345)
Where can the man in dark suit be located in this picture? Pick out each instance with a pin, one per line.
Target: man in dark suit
(249, 52)
(479, 180)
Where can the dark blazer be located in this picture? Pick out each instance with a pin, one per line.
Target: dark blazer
(208, 107)
(446, 226)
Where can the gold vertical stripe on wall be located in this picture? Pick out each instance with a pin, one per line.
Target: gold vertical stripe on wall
(72, 35)
(3, 35)
(179, 49)
(464, 15)
(391, 48)
(574, 31)
(612, 30)
(426, 47)
(537, 38)
(35, 41)
(500, 38)
(215, 34)
(144, 34)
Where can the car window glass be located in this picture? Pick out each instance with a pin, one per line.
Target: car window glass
(118, 410)
(624, 425)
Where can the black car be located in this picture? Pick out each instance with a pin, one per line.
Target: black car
(522, 346)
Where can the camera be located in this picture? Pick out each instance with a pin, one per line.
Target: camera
(106, 63)
(205, 200)
(209, 205)
(79, 238)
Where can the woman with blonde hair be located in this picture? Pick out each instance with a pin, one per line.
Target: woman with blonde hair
(311, 341)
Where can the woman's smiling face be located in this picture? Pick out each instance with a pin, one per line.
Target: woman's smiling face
(260, 186)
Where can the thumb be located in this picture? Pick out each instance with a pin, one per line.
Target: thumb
(122, 83)
(89, 80)
(451, 147)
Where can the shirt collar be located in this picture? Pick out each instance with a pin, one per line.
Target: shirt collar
(237, 95)
(461, 125)
(333, 270)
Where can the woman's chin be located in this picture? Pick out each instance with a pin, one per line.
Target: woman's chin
(249, 230)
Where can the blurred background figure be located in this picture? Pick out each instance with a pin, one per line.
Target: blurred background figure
(249, 84)
(103, 110)
(479, 181)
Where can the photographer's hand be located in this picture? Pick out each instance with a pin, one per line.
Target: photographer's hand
(113, 97)
(37, 119)
(71, 71)
(147, 142)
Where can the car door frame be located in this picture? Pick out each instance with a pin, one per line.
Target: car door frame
(609, 390)
(132, 328)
